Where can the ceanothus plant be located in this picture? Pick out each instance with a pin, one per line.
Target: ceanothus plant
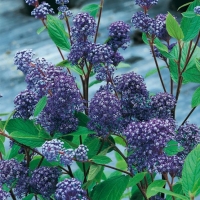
(60, 138)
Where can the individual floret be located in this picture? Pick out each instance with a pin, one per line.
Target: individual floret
(42, 11)
(70, 189)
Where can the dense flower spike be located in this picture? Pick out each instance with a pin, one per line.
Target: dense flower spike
(141, 21)
(146, 4)
(119, 35)
(84, 26)
(70, 189)
(58, 115)
(79, 52)
(3, 194)
(100, 53)
(43, 181)
(11, 171)
(51, 149)
(24, 104)
(23, 59)
(42, 11)
(104, 73)
(197, 10)
(146, 141)
(160, 27)
(188, 135)
(161, 105)
(105, 113)
(134, 95)
(31, 2)
(166, 164)
(81, 153)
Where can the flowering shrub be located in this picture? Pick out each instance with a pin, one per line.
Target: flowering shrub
(156, 158)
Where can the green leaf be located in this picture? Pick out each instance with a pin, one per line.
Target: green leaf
(93, 146)
(2, 148)
(57, 32)
(29, 197)
(191, 171)
(153, 71)
(172, 148)
(198, 63)
(173, 28)
(191, 73)
(190, 26)
(81, 131)
(82, 119)
(66, 63)
(78, 174)
(160, 45)
(196, 98)
(120, 141)
(21, 125)
(27, 139)
(112, 188)
(177, 188)
(41, 29)
(40, 106)
(43, 134)
(93, 172)
(98, 159)
(162, 190)
(94, 83)
(14, 151)
(122, 65)
(136, 179)
(145, 39)
(196, 188)
(156, 184)
(188, 14)
(121, 164)
(92, 9)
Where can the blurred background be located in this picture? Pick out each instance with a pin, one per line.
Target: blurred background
(18, 32)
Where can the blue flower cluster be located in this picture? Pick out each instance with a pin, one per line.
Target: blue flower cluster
(84, 26)
(197, 10)
(54, 151)
(188, 136)
(145, 143)
(3, 194)
(31, 2)
(44, 180)
(12, 171)
(105, 113)
(81, 153)
(119, 35)
(70, 189)
(64, 98)
(133, 94)
(146, 4)
(63, 9)
(41, 11)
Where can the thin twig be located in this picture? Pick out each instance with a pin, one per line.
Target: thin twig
(188, 115)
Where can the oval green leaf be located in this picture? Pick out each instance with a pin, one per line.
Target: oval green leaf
(40, 106)
(196, 98)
